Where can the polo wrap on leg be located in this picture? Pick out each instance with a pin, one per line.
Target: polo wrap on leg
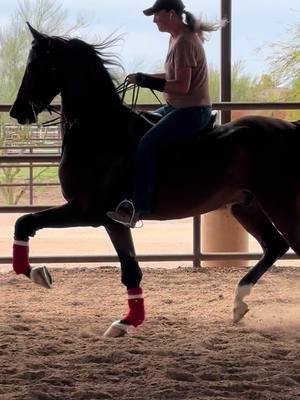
(136, 312)
(21, 257)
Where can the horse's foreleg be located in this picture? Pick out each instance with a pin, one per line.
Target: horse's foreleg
(131, 276)
(26, 226)
(273, 244)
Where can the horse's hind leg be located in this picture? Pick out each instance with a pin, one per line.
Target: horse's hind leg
(131, 276)
(284, 211)
(272, 242)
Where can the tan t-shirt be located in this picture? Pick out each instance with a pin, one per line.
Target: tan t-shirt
(187, 51)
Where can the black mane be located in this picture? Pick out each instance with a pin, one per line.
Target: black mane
(89, 66)
(98, 54)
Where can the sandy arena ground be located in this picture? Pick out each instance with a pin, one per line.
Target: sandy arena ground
(52, 348)
(51, 343)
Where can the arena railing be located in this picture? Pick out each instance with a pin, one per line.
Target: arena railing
(196, 256)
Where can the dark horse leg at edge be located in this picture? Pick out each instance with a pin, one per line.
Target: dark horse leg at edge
(249, 165)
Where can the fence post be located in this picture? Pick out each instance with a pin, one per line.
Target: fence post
(31, 179)
(197, 242)
(225, 92)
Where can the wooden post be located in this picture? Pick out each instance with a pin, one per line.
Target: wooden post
(220, 232)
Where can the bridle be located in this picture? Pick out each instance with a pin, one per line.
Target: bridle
(51, 109)
(122, 89)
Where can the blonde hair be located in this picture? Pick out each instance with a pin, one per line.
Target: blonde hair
(202, 28)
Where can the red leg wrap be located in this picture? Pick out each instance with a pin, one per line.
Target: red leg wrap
(136, 313)
(21, 258)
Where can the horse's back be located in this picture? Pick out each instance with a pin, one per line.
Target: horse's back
(265, 123)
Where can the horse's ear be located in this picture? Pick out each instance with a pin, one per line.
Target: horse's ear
(36, 35)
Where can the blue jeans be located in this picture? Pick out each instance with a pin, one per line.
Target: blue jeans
(177, 126)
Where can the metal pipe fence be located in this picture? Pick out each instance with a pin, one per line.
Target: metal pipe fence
(46, 159)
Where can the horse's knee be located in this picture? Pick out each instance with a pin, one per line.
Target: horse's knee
(25, 226)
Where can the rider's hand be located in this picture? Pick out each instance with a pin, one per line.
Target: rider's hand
(150, 82)
(131, 78)
(147, 81)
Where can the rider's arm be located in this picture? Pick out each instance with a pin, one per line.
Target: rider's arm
(161, 75)
(182, 82)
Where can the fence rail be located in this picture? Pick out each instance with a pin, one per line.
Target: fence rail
(222, 106)
(196, 257)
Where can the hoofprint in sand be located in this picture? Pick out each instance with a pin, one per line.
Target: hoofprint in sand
(52, 345)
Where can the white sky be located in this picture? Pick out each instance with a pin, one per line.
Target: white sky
(256, 23)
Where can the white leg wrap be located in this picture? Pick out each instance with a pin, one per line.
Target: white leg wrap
(242, 291)
(21, 243)
(240, 308)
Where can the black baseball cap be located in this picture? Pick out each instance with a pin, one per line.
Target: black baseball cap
(176, 5)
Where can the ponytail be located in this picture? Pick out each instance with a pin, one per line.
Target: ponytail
(201, 27)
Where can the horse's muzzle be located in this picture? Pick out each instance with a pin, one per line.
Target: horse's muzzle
(23, 113)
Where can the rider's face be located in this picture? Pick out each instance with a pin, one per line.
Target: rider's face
(162, 20)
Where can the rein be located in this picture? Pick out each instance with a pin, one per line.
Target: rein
(51, 122)
(125, 87)
(122, 89)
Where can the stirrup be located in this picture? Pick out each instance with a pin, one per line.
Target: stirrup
(124, 203)
(132, 218)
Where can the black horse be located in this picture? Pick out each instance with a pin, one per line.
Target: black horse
(250, 164)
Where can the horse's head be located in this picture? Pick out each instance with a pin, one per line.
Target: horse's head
(40, 82)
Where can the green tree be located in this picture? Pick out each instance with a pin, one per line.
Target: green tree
(267, 81)
(285, 59)
(285, 67)
(214, 83)
(294, 95)
(45, 15)
(244, 86)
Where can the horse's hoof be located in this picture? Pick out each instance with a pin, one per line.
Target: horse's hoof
(41, 276)
(117, 329)
(240, 309)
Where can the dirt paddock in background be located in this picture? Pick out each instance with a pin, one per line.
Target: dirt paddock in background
(52, 348)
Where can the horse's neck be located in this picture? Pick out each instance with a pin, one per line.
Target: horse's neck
(89, 100)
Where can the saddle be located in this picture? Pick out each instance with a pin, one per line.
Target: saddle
(153, 118)
(139, 124)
